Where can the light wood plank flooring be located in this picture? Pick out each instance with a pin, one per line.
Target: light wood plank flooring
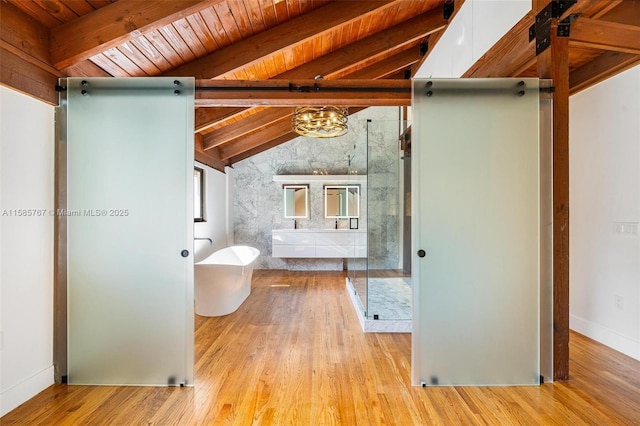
(293, 354)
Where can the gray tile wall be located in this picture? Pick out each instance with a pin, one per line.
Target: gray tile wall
(258, 199)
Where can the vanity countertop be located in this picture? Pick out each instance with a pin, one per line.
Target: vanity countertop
(319, 243)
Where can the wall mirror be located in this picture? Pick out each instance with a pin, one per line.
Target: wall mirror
(341, 201)
(296, 201)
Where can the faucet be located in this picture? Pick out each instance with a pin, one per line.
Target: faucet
(295, 224)
(336, 223)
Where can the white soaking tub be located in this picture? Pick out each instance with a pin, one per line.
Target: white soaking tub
(223, 280)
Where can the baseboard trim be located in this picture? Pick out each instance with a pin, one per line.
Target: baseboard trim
(606, 336)
(25, 390)
(357, 306)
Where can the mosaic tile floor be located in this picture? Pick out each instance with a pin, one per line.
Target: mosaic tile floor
(390, 298)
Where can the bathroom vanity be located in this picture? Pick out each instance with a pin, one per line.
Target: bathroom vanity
(340, 200)
(319, 243)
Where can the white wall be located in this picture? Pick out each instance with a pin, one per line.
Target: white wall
(216, 223)
(26, 255)
(605, 192)
(477, 26)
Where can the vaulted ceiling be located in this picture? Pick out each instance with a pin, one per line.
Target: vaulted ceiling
(285, 40)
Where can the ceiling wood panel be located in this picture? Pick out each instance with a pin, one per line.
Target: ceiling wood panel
(86, 69)
(228, 23)
(622, 12)
(291, 34)
(189, 37)
(137, 59)
(79, 7)
(97, 4)
(205, 37)
(210, 17)
(254, 12)
(115, 24)
(151, 53)
(57, 9)
(376, 45)
(122, 61)
(174, 38)
(102, 61)
(239, 13)
(161, 44)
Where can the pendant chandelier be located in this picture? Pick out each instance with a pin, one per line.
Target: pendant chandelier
(320, 122)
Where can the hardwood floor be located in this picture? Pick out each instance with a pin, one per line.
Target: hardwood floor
(294, 354)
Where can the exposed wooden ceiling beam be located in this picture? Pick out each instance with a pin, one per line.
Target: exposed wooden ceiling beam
(606, 65)
(263, 147)
(598, 34)
(115, 24)
(208, 117)
(207, 158)
(303, 92)
(246, 52)
(398, 62)
(248, 142)
(240, 128)
(26, 35)
(25, 77)
(24, 55)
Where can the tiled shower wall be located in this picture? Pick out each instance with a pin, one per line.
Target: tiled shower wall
(258, 205)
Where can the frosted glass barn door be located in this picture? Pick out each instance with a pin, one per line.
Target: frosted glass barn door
(130, 230)
(476, 232)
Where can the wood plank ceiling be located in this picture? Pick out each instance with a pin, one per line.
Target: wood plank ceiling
(287, 40)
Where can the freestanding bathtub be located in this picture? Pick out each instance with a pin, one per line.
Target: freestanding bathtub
(223, 280)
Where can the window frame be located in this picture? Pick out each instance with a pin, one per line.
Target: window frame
(199, 216)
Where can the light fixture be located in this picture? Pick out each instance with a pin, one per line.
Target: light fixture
(320, 122)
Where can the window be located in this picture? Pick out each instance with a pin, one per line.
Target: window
(198, 194)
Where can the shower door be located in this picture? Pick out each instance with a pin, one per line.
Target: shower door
(476, 232)
(129, 211)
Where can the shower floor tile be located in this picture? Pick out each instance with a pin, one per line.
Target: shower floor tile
(389, 298)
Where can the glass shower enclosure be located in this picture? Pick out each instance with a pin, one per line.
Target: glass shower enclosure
(382, 281)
